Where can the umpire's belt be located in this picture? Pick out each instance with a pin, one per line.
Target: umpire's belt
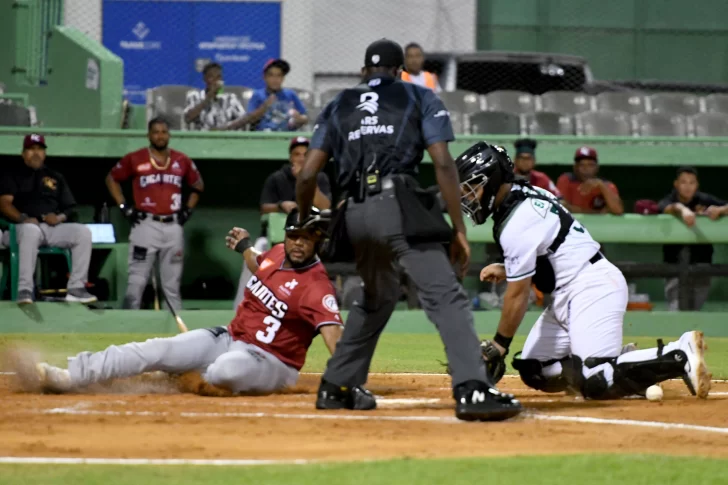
(166, 219)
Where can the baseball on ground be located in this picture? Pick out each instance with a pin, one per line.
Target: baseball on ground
(654, 393)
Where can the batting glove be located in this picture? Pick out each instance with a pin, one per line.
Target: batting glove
(183, 216)
(131, 214)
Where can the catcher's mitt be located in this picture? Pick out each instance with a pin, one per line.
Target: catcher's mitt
(495, 363)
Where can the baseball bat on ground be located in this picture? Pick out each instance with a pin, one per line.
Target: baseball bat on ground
(156, 289)
(180, 323)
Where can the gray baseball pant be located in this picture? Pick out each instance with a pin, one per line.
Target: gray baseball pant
(375, 230)
(222, 361)
(151, 240)
(76, 237)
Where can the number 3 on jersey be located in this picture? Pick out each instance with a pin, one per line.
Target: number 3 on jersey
(270, 333)
(176, 202)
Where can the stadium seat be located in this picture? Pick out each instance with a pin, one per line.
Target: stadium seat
(625, 101)
(710, 124)
(465, 102)
(169, 103)
(14, 115)
(328, 95)
(716, 103)
(685, 104)
(544, 123)
(243, 94)
(518, 102)
(603, 123)
(306, 97)
(567, 102)
(660, 124)
(495, 123)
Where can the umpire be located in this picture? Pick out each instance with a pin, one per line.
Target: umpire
(377, 133)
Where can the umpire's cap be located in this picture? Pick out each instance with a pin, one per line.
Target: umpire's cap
(384, 53)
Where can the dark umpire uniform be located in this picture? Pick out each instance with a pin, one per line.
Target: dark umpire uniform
(377, 133)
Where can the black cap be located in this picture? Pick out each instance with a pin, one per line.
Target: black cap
(283, 65)
(384, 53)
(525, 145)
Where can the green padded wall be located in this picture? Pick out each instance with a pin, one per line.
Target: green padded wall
(671, 40)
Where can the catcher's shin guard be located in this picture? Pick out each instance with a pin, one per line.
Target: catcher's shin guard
(531, 371)
(632, 373)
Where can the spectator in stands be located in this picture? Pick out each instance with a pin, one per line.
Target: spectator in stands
(685, 201)
(524, 162)
(212, 108)
(38, 200)
(279, 195)
(275, 108)
(414, 61)
(583, 191)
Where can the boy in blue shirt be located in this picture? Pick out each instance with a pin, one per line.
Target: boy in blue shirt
(274, 107)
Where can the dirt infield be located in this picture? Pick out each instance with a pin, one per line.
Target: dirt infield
(415, 419)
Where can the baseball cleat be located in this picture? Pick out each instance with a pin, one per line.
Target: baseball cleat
(25, 297)
(331, 396)
(80, 295)
(53, 379)
(475, 401)
(696, 376)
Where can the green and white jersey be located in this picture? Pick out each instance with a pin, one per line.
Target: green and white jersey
(531, 228)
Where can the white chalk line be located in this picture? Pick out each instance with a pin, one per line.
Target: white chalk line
(630, 422)
(146, 461)
(374, 417)
(421, 374)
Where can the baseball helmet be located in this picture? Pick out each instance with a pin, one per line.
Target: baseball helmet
(482, 166)
(317, 222)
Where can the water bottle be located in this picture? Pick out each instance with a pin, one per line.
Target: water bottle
(104, 214)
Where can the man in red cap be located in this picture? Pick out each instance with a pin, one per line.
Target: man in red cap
(38, 200)
(275, 108)
(279, 195)
(583, 191)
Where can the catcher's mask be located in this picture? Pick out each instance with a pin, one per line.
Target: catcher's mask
(304, 238)
(483, 169)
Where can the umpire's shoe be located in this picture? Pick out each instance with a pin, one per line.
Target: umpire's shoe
(331, 396)
(476, 401)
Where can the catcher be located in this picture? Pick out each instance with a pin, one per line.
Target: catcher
(576, 343)
(288, 301)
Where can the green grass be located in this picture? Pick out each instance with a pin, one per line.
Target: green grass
(395, 353)
(541, 470)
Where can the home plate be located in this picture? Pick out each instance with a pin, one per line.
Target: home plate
(405, 402)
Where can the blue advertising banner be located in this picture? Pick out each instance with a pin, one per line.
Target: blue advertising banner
(169, 42)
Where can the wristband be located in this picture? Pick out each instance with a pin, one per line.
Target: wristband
(504, 342)
(242, 245)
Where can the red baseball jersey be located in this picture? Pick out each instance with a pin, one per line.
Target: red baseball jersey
(157, 187)
(569, 187)
(284, 308)
(540, 179)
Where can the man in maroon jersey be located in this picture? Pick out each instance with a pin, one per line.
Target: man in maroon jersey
(524, 162)
(157, 215)
(288, 301)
